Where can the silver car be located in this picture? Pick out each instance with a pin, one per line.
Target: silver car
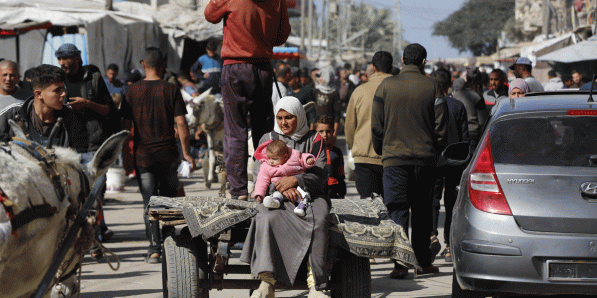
(525, 221)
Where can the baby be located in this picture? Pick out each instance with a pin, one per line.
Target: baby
(280, 161)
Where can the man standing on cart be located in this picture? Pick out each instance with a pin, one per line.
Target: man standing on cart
(251, 29)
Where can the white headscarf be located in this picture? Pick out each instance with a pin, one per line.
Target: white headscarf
(293, 106)
(327, 75)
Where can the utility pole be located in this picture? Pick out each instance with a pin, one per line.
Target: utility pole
(546, 18)
(310, 29)
(320, 34)
(362, 26)
(397, 31)
(327, 24)
(303, 12)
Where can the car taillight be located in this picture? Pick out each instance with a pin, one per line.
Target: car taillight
(582, 113)
(485, 192)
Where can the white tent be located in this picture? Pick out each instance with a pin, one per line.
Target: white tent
(118, 36)
(582, 51)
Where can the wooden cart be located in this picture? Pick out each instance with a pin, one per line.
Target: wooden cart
(191, 266)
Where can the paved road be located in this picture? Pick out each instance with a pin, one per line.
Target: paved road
(135, 278)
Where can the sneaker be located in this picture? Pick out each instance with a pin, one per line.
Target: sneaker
(300, 209)
(429, 270)
(271, 202)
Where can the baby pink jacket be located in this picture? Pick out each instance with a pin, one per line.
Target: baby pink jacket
(296, 164)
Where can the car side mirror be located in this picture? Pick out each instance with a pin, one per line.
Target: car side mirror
(457, 154)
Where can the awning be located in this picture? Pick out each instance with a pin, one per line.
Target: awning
(582, 51)
(281, 53)
(16, 29)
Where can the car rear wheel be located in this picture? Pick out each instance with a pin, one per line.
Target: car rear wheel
(458, 292)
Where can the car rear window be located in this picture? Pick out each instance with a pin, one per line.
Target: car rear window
(547, 141)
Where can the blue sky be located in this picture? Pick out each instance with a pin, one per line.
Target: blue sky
(418, 18)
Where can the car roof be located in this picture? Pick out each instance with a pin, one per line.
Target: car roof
(552, 101)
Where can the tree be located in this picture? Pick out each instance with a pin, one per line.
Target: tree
(476, 26)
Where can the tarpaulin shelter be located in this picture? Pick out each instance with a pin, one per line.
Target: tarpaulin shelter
(578, 52)
(581, 56)
(19, 38)
(104, 36)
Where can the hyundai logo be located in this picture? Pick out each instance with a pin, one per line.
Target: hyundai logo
(589, 188)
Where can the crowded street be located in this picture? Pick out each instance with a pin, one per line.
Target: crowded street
(298, 148)
(136, 278)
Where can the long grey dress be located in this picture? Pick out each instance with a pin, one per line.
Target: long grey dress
(278, 239)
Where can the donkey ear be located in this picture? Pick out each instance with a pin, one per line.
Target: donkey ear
(17, 129)
(106, 155)
(202, 96)
(308, 106)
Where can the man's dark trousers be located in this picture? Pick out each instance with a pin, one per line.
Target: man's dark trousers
(368, 179)
(408, 188)
(447, 180)
(246, 89)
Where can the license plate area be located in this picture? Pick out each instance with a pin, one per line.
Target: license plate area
(572, 270)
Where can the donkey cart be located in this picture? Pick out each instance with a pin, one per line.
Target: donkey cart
(197, 234)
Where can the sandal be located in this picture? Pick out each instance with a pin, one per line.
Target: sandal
(153, 258)
(447, 255)
(435, 247)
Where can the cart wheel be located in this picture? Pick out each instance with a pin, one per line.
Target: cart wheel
(183, 268)
(354, 275)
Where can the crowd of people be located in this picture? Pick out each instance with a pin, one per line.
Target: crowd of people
(396, 123)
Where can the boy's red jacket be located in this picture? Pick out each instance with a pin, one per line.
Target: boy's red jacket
(251, 28)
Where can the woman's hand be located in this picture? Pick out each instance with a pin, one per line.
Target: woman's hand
(259, 199)
(292, 194)
(286, 183)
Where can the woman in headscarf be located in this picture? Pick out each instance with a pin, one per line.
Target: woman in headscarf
(518, 88)
(327, 100)
(279, 241)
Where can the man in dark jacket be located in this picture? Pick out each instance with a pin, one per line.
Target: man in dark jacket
(409, 125)
(448, 177)
(39, 113)
(89, 97)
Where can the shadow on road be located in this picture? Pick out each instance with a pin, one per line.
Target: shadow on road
(119, 293)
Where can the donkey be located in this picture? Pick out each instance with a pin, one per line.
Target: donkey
(41, 192)
(208, 112)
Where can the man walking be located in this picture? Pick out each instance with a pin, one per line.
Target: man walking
(88, 95)
(251, 29)
(523, 68)
(409, 126)
(499, 89)
(283, 71)
(368, 167)
(155, 107)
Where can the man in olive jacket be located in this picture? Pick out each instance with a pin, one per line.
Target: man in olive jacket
(409, 124)
(367, 164)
